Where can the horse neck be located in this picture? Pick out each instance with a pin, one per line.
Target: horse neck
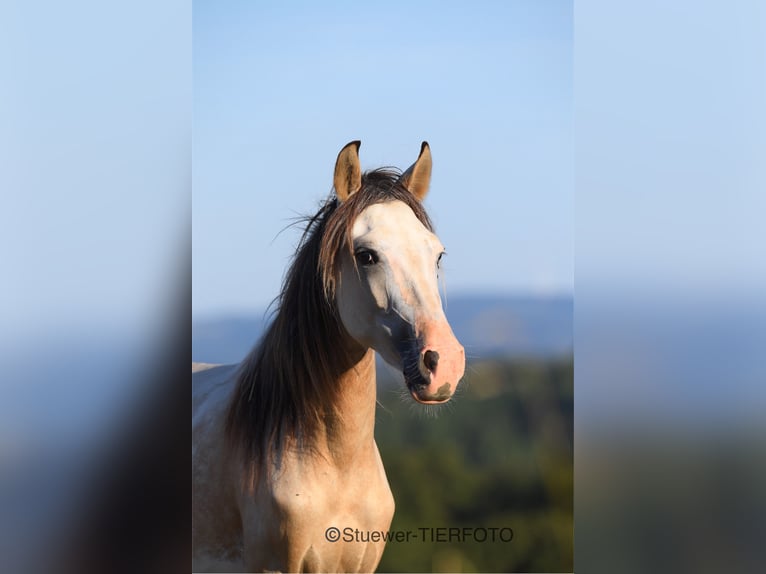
(347, 431)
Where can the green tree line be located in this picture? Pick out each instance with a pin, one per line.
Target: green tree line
(499, 455)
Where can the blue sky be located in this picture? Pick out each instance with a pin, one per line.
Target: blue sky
(95, 149)
(279, 88)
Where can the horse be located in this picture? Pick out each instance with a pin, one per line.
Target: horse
(283, 446)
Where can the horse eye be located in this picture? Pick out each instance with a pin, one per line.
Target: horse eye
(366, 258)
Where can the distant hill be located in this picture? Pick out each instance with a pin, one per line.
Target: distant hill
(488, 326)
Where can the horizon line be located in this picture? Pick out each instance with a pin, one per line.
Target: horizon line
(263, 310)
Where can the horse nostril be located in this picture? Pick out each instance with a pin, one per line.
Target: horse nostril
(431, 360)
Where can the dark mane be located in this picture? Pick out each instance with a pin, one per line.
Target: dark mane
(285, 387)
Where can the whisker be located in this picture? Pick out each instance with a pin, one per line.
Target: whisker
(383, 407)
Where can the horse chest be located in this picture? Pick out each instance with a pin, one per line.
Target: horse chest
(327, 513)
(360, 498)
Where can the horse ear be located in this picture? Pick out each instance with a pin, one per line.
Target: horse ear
(348, 172)
(417, 178)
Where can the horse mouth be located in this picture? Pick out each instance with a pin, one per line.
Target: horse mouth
(437, 399)
(418, 385)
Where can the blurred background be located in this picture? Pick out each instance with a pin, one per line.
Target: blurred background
(669, 323)
(95, 206)
(278, 90)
